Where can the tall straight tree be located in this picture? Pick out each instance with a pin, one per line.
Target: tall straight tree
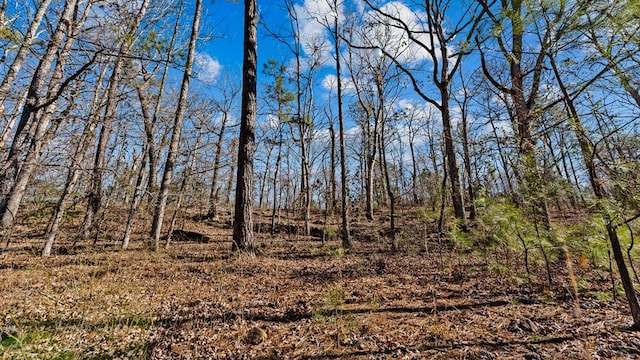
(243, 221)
(163, 195)
(345, 234)
(303, 122)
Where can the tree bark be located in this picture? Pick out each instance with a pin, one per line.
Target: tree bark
(23, 51)
(95, 196)
(34, 131)
(161, 201)
(243, 239)
(345, 231)
(74, 170)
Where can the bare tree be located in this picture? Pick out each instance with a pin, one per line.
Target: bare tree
(36, 128)
(96, 195)
(229, 91)
(439, 43)
(25, 46)
(163, 195)
(345, 230)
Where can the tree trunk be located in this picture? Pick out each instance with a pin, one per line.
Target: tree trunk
(370, 159)
(333, 202)
(467, 156)
(232, 170)
(25, 47)
(265, 175)
(276, 174)
(33, 132)
(526, 145)
(389, 187)
(213, 195)
(450, 154)
(74, 170)
(95, 196)
(243, 239)
(306, 189)
(345, 231)
(414, 169)
(161, 201)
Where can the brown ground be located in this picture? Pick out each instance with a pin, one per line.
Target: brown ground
(199, 301)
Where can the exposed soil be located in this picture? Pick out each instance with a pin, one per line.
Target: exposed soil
(299, 299)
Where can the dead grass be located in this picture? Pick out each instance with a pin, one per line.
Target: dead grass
(199, 301)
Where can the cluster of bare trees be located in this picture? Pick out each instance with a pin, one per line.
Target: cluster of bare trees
(387, 103)
(89, 119)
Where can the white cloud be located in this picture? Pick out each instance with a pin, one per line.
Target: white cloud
(390, 35)
(273, 121)
(420, 111)
(330, 82)
(207, 67)
(316, 21)
(316, 17)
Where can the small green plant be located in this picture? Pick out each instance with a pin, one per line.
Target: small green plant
(436, 330)
(424, 214)
(337, 252)
(589, 239)
(332, 301)
(329, 233)
(498, 268)
(39, 344)
(322, 251)
(8, 341)
(375, 303)
(603, 296)
(335, 297)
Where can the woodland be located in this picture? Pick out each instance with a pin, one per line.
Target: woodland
(399, 179)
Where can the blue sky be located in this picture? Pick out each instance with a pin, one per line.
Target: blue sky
(227, 20)
(224, 52)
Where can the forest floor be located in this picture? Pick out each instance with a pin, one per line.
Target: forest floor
(300, 299)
